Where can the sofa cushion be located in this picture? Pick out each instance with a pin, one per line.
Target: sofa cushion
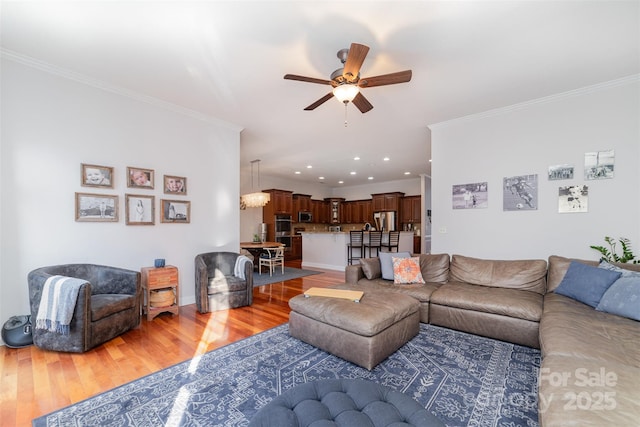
(103, 305)
(586, 283)
(386, 262)
(623, 296)
(371, 268)
(435, 267)
(407, 270)
(225, 284)
(525, 305)
(570, 328)
(526, 275)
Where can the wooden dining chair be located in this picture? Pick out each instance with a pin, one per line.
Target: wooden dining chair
(272, 257)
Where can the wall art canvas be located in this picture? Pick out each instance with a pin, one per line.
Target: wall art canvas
(140, 178)
(573, 198)
(175, 185)
(559, 172)
(175, 211)
(470, 196)
(139, 209)
(96, 207)
(599, 164)
(96, 176)
(520, 193)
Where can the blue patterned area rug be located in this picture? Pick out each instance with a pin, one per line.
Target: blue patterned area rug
(463, 379)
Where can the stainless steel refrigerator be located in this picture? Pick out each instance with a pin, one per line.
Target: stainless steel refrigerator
(385, 220)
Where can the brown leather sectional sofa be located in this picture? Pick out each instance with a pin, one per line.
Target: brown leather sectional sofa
(590, 371)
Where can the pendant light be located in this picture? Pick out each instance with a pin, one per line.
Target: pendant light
(255, 199)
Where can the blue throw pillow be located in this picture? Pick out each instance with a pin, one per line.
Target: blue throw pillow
(623, 296)
(386, 263)
(585, 283)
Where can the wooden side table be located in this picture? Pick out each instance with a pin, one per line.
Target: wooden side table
(154, 279)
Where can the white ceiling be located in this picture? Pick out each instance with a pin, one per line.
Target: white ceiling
(227, 60)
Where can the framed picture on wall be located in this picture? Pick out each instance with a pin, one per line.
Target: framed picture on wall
(96, 176)
(573, 198)
(599, 164)
(96, 207)
(175, 185)
(470, 196)
(559, 172)
(175, 211)
(520, 193)
(140, 178)
(139, 209)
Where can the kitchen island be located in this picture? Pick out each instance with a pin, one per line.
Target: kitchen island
(328, 250)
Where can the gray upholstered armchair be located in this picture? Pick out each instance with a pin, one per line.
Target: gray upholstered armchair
(107, 306)
(217, 288)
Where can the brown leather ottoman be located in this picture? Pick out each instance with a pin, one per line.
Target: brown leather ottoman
(365, 332)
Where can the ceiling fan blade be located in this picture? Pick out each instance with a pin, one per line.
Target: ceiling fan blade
(355, 58)
(319, 102)
(362, 103)
(307, 79)
(386, 79)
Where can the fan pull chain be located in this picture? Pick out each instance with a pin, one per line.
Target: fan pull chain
(345, 113)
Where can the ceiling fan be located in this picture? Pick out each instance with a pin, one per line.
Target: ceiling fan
(346, 81)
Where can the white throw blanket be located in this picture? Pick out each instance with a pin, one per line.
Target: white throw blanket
(57, 303)
(238, 269)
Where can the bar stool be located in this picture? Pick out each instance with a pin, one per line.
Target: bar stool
(394, 239)
(375, 242)
(355, 242)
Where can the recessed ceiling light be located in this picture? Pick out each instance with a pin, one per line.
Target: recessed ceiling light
(356, 158)
(352, 173)
(386, 159)
(340, 182)
(370, 177)
(407, 173)
(321, 177)
(309, 166)
(297, 172)
(429, 160)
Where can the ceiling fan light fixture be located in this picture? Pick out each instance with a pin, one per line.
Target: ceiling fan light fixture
(346, 92)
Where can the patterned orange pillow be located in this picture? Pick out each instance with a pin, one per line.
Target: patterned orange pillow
(407, 270)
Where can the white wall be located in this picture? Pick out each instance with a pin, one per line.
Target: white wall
(527, 139)
(410, 187)
(52, 124)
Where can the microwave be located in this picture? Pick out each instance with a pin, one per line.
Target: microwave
(304, 217)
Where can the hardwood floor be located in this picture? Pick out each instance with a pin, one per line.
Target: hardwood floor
(35, 382)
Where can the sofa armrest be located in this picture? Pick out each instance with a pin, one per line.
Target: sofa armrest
(353, 273)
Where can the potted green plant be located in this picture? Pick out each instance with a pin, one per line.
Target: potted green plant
(610, 254)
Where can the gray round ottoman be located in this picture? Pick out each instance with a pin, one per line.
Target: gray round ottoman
(343, 402)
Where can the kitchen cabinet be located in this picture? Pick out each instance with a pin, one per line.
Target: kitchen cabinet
(411, 209)
(296, 247)
(335, 209)
(281, 203)
(301, 203)
(320, 211)
(387, 201)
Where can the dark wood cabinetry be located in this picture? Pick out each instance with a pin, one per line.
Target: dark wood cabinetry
(411, 209)
(387, 201)
(301, 203)
(320, 211)
(335, 209)
(281, 203)
(296, 247)
(357, 212)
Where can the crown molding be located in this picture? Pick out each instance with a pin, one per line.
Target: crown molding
(634, 78)
(89, 81)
